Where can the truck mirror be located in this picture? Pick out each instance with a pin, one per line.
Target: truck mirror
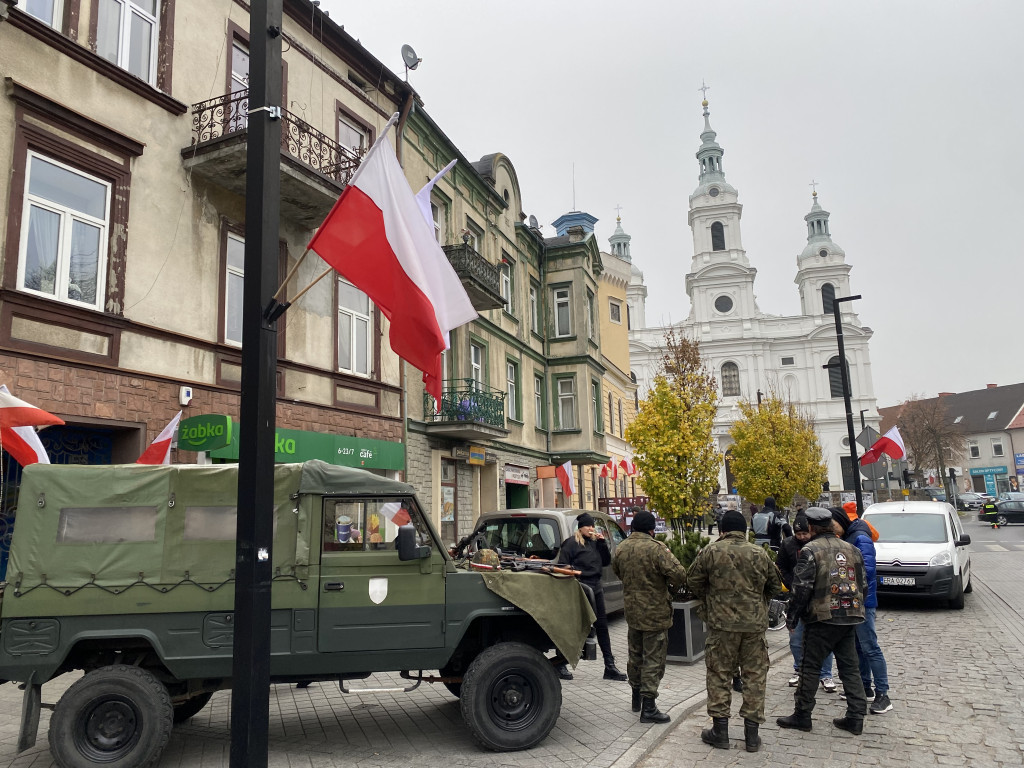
(406, 541)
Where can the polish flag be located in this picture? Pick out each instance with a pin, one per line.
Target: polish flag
(891, 444)
(611, 469)
(18, 413)
(377, 238)
(22, 443)
(396, 513)
(159, 451)
(628, 467)
(564, 475)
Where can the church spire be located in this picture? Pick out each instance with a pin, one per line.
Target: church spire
(619, 239)
(709, 156)
(817, 220)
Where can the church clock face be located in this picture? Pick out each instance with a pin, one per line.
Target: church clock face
(713, 191)
(823, 253)
(723, 304)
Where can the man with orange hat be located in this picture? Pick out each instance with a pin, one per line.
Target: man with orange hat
(850, 508)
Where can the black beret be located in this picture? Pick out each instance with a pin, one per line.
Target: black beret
(817, 515)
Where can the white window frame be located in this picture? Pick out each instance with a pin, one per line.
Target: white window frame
(347, 123)
(128, 9)
(438, 219)
(475, 235)
(567, 403)
(595, 398)
(974, 449)
(512, 376)
(591, 323)
(356, 316)
(538, 398)
(563, 298)
(476, 365)
(68, 216)
(56, 15)
(506, 285)
(534, 310)
(997, 447)
(230, 271)
(615, 311)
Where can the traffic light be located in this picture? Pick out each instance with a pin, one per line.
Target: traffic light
(952, 473)
(824, 487)
(906, 478)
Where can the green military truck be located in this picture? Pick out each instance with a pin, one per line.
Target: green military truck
(126, 573)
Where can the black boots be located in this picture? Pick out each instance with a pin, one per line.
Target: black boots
(636, 699)
(649, 712)
(851, 724)
(799, 720)
(563, 672)
(611, 672)
(718, 734)
(750, 735)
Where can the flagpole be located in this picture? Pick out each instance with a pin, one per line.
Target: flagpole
(288, 277)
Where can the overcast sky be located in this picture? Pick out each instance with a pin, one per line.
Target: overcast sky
(908, 114)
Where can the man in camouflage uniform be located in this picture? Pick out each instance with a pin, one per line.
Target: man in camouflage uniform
(829, 587)
(734, 580)
(650, 576)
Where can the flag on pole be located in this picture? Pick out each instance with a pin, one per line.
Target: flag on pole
(396, 512)
(18, 413)
(611, 469)
(377, 238)
(564, 475)
(159, 451)
(628, 467)
(22, 443)
(423, 196)
(891, 444)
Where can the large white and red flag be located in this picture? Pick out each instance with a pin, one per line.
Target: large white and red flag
(23, 443)
(18, 413)
(628, 467)
(564, 475)
(611, 469)
(159, 451)
(377, 238)
(891, 444)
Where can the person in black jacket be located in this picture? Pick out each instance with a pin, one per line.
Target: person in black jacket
(587, 552)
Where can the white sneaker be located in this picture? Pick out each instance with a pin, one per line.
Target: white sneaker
(828, 684)
(794, 681)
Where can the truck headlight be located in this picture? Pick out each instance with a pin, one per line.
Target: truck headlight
(943, 558)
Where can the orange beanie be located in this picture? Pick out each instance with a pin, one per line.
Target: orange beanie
(850, 508)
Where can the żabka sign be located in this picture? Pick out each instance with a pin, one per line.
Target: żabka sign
(204, 433)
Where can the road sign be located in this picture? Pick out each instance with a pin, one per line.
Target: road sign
(868, 437)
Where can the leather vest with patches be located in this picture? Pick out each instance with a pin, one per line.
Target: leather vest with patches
(840, 583)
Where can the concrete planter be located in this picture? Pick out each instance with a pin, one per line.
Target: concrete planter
(687, 634)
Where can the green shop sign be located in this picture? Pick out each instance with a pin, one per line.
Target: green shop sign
(204, 433)
(293, 445)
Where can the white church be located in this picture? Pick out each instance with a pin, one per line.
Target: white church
(746, 349)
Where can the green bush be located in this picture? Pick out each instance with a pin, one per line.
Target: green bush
(685, 549)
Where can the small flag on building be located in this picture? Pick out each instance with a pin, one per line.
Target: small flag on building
(564, 475)
(159, 451)
(23, 443)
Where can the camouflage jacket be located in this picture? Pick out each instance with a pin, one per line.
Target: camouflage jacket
(650, 576)
(734, 580)
(829, 583)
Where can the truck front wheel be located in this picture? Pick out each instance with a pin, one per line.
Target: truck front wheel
(511, 697)
(118, 716)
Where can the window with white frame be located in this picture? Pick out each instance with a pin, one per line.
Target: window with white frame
(127, 35)
(64, 247)
(351, 135)
(974, 448)
(615, 311)
(611, 415)
(239, 65)
(476, 365)
(534, 310)
(475, 236)
(563, 312)
(354, 323)
(512, 376)
(47, 11)
(538, 400)
(595, 404)
(591, 318)
(234, 281)
(567, 404)
(438, 219)
(997, 446)
(506, 285)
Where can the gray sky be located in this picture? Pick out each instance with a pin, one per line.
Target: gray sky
(908, 114)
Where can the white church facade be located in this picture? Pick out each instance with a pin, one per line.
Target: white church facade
(749, 351)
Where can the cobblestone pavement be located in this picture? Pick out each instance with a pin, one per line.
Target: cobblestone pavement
(956, 677)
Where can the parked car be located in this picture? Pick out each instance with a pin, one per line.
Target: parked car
(540, 532)
(1011, 496)
(1002, 512)
(970, 501)
(922, 550)
(931, 494)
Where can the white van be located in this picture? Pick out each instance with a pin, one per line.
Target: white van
(922, 550)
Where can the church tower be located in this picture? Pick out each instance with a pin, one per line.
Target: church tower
(720, 283)
(822, 272)
(619, 241)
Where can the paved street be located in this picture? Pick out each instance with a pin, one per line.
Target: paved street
(957, 681)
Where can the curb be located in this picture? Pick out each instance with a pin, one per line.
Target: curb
(647, 743)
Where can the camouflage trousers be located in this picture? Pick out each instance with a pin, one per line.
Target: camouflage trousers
(724, 653)
(646, 665)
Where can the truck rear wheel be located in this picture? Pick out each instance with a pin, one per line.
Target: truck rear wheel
(117, 716)
(511, 697)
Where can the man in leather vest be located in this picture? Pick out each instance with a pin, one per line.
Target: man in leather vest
(829, 587)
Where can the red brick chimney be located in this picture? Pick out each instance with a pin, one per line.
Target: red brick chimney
(991, 386)
(946, 394)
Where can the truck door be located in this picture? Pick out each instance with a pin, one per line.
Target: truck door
(369, 599)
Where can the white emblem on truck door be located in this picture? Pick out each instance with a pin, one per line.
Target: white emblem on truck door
(378, 590)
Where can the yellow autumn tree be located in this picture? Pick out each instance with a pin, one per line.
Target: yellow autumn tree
(775, 452)
(671, 434)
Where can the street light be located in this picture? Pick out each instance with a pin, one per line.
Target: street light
(845, 374)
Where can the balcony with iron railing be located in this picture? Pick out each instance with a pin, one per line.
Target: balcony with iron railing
(468, 411)
(480, 278)
(314, 167)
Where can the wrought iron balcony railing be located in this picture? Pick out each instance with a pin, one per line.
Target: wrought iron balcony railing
(481, 279)
(466, 400)
(228, 114)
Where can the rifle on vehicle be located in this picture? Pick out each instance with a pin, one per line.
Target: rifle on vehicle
(513, 563)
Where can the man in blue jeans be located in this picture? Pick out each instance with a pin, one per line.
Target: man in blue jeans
(788, 551)
(872, 661)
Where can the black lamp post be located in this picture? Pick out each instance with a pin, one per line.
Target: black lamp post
(845, 373)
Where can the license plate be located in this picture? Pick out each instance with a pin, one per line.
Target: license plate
(898, 581)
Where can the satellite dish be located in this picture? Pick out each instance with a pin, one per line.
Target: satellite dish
(409, 57)
(533, 222)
